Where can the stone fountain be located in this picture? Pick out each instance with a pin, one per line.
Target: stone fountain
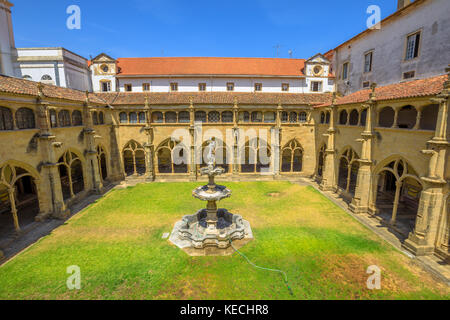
(210, 230)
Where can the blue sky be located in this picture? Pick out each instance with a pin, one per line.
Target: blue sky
(147, 28)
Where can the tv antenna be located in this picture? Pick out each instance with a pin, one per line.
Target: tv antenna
(290, 53)
(277, 49)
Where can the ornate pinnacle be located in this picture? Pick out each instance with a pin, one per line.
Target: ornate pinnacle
(40, 88)
(146, 101)
(87, 97)
(334, 98)
(373, 87)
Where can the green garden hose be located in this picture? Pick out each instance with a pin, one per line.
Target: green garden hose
(258, 267)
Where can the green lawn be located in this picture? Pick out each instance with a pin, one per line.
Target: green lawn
(118, 246)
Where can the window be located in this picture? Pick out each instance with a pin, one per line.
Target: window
(53, 121)
(302, 117)
(27, 77)
(6, 119)
(269, 117)
(244, 116)
(104, 68)
(345, 71)
(213, 116)
(227, 116)
(230, 86)
(157, 117)
(146, 87)
(412, 46)
(316, 86)
(101, 118)
(285, 87)
(133, 117)
(202, 87)
(25, 119)
(174, 86)
(293, 117)
(141, 117)
(258, 86)
(77, 119)
(284, 116)
(257, 116)
(184, 117)
(171, 117)
(409, 75)
(368, 62)
(366, 84)
(94, 118)
(123, 117)
(105, 86)
(128, 87)
(200, 116)
(46, 77)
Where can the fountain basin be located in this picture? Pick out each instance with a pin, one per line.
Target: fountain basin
(215, 194)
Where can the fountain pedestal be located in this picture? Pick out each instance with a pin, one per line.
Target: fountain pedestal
(210, 231)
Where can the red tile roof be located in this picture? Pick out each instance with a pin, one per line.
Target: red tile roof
(410, 89)
(28, 87)
(161, 98)
(211, 66)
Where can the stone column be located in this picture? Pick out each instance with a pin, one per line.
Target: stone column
(329, 173)
(93, 170)
(149, 147)
(361, 199)
(194, 135)
(423, 239)
(236, 159)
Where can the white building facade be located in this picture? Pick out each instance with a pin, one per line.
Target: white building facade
(412, 43)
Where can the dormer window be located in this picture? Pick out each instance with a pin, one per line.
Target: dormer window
(105, 68)
(316, 86)
(318, 70)
(105, 86)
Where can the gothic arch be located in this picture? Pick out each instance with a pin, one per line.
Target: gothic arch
(133, 158)
(348, 170)
(165, 152)
(292, 157)
(20, 192)
(250, 156)
(72, 173)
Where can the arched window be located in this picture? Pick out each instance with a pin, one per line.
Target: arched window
(165, 151)
(322, 117)
(101, 118)
(184, 117)
(321, 161)
(134, 158)
(6, 119)
(429, 117)
(142, 117)
(77, 119)
(71, 174)
(292, 157)
(386, 117)
(213, 116)
(95, 118)
(200, 116)
(398, 189)
(256, 116)
(363, 118)
(18, 194)
(46, 77)
(348, 171)
(101, 158)
(171, 117)
(302, 117)
(327, 117)
(244, 116)
(133, 117)
(27, 77)
(354, 117)
(292, 117)
(255, 156)
(25, 119)
(407, 117)
(157, 117)
(269, 117)
(343, 117)
(284, 116)
(53, 118)
(123, 117)
(227, 116)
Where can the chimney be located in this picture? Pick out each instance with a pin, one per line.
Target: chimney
(402, 3)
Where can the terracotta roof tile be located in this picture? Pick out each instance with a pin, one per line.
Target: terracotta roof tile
(28, 87)
(130, 98)
(211, 66)
(410, 89)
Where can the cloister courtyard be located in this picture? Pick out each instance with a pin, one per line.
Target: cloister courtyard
(118, 244)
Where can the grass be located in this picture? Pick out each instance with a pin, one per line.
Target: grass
(118, 246)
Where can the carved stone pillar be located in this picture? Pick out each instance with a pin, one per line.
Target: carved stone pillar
(329, 173)
(149, 147)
